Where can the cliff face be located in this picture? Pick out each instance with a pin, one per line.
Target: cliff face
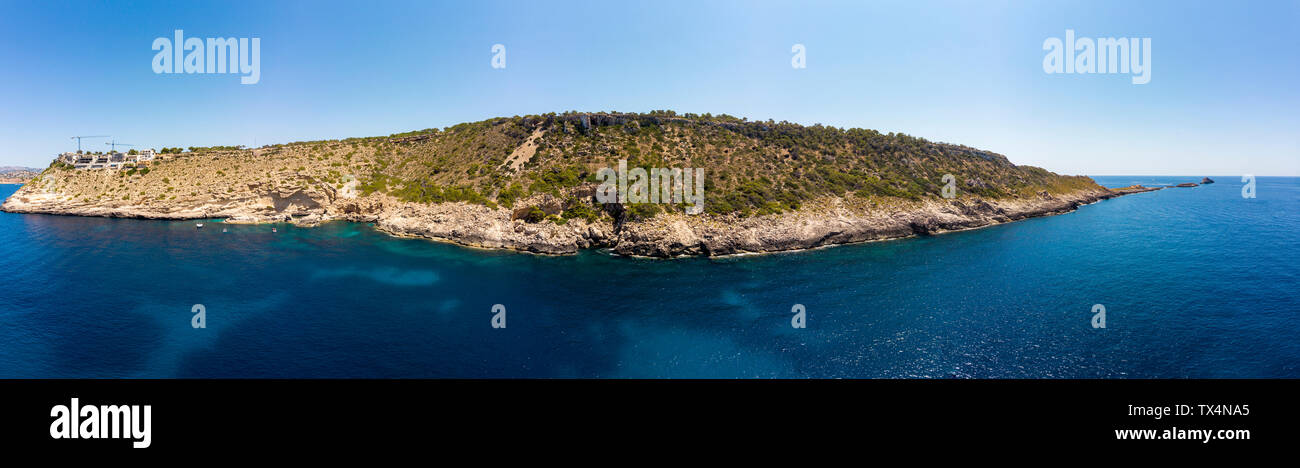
(525, 184)
(839, 221)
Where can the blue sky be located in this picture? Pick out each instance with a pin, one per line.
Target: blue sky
(1222, 99)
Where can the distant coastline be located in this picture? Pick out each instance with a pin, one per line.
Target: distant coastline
(17, 175)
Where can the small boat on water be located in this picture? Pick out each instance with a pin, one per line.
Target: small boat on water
(273, 230)
(198, 226)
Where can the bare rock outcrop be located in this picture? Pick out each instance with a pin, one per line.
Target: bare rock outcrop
(676, 235)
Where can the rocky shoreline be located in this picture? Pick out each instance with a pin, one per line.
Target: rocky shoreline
(831, 221)
(842, 222)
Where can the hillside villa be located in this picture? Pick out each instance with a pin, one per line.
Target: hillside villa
(114, 160)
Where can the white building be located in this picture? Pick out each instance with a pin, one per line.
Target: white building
(113, 160)
(83, 161)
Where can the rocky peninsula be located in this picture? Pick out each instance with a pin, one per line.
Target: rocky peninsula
(529, 184)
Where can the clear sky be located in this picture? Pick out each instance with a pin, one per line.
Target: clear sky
(1222, 100)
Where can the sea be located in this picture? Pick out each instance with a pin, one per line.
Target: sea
(1198, 282)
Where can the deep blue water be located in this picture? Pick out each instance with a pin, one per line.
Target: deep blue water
(1196, 282)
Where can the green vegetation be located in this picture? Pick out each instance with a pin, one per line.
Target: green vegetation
(553, 180)
(640, 211)
(751, 168)
(205, 149)
(534, 215)
(574, 208)
(420, 191)
(508, 195)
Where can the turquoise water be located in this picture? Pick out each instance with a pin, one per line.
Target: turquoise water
(1196, 282)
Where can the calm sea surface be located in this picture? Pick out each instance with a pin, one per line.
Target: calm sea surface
(1196, 282)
